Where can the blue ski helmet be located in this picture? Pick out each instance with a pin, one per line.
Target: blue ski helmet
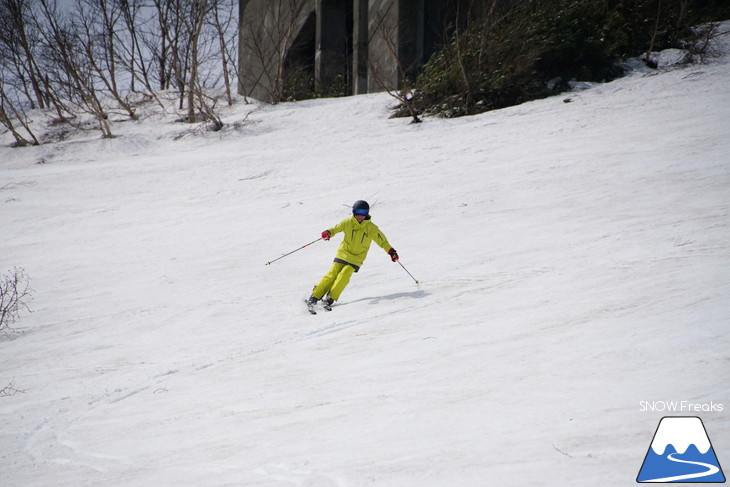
(361, 208)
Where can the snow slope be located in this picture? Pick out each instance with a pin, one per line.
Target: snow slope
(574, 260)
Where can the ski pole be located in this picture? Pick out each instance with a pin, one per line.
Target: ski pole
(404, 268)
(300, 248)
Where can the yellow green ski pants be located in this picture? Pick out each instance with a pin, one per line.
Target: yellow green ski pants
(334, 282)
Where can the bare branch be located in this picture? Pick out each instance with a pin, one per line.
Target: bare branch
(400, 87)
(10, 390)
(15, 291)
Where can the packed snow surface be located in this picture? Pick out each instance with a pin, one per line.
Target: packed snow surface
(573, 261)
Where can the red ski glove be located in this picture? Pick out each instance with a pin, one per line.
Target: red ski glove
(393, 254)
(326, 235)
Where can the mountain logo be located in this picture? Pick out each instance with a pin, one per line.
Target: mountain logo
(680, 452)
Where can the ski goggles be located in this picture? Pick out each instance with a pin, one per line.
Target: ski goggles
(362, 212)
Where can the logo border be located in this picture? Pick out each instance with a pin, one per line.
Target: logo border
(652, 442)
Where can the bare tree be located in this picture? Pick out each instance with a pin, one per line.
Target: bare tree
(198, 11)
(176, 35)
(10, 390)
(702, 44)
(136, 46)
(97, 26)
(68, 67)
(14, 292)
(9, 113)
(652, 39)
(222, 17)
(80, 61)
(22, 76)
(396, 82)
(19, 41)
(159, 40)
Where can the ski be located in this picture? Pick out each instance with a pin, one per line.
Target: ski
(327, 307)
(310, 307)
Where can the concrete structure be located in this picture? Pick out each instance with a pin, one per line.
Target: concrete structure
(351, 46)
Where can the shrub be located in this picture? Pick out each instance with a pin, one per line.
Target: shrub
(532, 48)
(14, 292)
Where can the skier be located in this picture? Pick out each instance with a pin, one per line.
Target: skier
(359, 231)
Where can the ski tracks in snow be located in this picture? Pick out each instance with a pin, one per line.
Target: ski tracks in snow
(437, 293)
(52, 441)
(297, 474)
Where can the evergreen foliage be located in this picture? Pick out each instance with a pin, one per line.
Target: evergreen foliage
(533, 48)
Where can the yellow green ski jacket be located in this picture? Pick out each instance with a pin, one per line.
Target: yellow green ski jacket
(356, 243)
